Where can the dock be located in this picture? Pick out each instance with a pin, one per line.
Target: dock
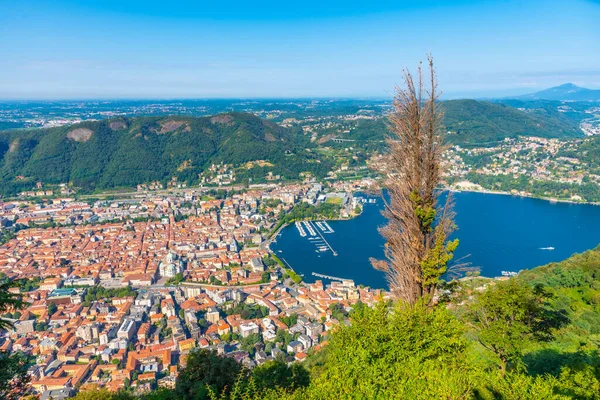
(323, 237)
(333, 278)
(310, 228)
(300, 229)
(286, 263)
(324, 226)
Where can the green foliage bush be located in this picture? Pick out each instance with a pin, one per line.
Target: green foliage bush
(205, 372)
(100, 292)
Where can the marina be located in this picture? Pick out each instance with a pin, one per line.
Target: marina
(300, 229)
(363, 200)
(324, 227)
(310, 228)
(326, 242)
(315, 235)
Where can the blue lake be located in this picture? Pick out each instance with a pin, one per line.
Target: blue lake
(496, 232)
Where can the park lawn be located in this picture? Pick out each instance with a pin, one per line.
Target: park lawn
(334, 200)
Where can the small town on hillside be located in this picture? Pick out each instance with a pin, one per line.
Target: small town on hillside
(559, 167)
(120, 291)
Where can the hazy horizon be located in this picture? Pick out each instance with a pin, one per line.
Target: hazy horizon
(476, 95)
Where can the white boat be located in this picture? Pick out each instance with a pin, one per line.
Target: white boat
(328, 226)
(547, 248)
(310, 229)
(324, 226)
(300, 229)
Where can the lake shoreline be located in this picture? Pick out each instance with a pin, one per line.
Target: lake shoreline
(528, 196)
(273, 235)
(496, 233)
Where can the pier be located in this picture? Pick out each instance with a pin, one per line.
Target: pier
(300, 229)
(310, 228)
(333, 278)
(287, 263)
(324, 226)
(323, 237)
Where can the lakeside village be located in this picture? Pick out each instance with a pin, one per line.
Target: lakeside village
(120, 291)
(541, 160)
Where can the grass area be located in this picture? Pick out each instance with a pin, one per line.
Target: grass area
(334, 200)
(293, 275)
(276, 228)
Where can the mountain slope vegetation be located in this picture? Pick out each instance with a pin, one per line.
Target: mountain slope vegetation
(128, 151)
(124, 152)
(472, 122)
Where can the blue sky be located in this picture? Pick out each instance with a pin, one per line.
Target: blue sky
(63, 49)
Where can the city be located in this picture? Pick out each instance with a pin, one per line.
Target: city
(120, 291)
(299, 200)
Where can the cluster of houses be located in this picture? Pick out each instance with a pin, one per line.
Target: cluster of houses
(122, 303)
(536, 158)
(141, 338)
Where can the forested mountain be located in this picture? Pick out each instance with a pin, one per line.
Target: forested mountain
(477, 122)
(128, 151)
(471, 122)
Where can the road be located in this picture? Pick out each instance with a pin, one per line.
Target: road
(158, 192)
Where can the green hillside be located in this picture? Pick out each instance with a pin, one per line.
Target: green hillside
(481, 122)
(125, 152)
(475, 122)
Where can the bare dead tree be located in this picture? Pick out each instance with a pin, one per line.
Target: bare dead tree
(418, 249)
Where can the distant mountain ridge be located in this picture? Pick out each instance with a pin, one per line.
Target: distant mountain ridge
(566, 92)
